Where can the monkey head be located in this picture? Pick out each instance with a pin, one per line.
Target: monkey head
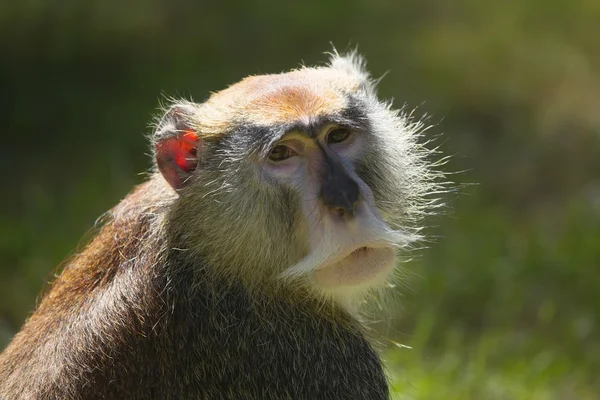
(300, 179)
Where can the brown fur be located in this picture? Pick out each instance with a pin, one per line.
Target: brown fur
(103, 294)
(119, 323)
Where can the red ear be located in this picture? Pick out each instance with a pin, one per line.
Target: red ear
(176, 147)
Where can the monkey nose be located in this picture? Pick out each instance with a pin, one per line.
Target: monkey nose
(342, 200)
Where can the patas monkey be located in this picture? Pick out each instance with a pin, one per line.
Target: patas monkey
(235, 271)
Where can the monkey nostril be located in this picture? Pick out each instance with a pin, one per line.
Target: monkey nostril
(347, 210)
(340, 211)
(342, 204)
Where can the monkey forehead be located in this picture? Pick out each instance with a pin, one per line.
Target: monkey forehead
(283, 98)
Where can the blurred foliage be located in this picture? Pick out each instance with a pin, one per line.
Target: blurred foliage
(503, 304)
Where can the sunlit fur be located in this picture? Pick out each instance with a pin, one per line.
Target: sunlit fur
(248, 227)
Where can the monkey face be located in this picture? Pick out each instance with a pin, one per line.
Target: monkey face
(350, 246)
(298, 177)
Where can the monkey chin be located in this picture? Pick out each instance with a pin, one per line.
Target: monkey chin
(363, 268)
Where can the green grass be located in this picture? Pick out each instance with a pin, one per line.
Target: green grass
(487, 368)
(503, 306)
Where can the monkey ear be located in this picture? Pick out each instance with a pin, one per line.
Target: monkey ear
(177, 145)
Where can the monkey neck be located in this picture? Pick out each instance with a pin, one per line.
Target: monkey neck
(135, 244)
(139, 231)
(145, 214)
(196, 281)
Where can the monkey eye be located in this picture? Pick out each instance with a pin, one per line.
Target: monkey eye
(338, 135)
(281, 152)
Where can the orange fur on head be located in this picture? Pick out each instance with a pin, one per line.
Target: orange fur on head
(278, 98)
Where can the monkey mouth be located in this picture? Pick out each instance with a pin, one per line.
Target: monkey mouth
(344, 264)
(363, 266)
(359, 251)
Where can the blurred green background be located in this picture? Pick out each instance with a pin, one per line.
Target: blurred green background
(504, 303)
